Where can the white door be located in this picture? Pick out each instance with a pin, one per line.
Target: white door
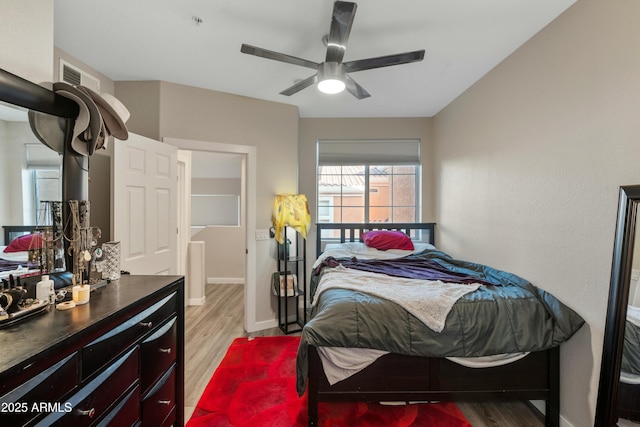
(184, 208)
(145, 205)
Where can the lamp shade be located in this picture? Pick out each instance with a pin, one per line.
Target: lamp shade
(291, 210)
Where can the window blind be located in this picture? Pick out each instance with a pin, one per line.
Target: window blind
(39, 156)
(371, 152)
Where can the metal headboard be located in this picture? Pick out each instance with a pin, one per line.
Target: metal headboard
(350, 232)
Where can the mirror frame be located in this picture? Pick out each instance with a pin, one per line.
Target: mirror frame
(23, 93)
(606, 409)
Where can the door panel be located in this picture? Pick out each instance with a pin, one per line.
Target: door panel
(145, 205)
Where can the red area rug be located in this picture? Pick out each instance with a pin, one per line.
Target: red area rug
(254, 386)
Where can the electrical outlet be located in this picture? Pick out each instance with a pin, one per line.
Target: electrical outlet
(262, 234)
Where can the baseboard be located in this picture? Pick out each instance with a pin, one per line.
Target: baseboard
(196, 301)
(268, 324)
(225, 280)
(265, 324)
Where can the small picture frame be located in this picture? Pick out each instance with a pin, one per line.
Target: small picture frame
(279, 284)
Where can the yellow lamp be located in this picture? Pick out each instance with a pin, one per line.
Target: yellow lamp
(291, 210)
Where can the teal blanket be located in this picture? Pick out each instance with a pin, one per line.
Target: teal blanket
(507, 314)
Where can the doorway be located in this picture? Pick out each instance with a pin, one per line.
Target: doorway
(247, 212)
(217, 213)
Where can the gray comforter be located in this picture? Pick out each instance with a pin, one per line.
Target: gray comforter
(507, 316)
(631, 349)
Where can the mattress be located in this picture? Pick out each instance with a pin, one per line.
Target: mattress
(13, 263)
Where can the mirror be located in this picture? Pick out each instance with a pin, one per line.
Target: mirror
(31, 178)
(66, 181)
(628, 405)
(619, 391)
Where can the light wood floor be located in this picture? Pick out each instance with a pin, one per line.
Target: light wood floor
(210, 329)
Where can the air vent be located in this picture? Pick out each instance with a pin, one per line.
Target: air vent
(70, 75)
(75, 76)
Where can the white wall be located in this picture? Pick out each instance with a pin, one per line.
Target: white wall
(26, 32)
(26, 49)
(528, 165)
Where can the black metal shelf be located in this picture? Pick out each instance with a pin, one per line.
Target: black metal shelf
(291, 267)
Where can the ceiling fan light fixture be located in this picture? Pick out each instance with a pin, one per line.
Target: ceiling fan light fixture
(331, 86)
(331, 77)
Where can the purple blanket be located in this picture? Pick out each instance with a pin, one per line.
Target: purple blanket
(10, 265)
(411, 268)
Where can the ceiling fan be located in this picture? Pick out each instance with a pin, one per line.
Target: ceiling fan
(332, 74)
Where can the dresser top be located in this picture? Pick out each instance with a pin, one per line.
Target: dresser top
(52, 328)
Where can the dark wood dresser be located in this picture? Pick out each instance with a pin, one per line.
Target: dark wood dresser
(117, 360)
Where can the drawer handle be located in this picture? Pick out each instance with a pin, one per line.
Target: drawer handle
(165, 350)
(164, 402)
(90, 413)
(146, 324)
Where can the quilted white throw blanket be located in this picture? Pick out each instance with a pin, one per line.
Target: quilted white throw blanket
(428, 300)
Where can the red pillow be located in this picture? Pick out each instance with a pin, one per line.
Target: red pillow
(385, 239)
(24, 243)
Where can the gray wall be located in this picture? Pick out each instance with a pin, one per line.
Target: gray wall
(528, 164)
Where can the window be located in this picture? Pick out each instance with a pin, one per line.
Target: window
(42, 181)
(367, 193)
(368, 181)
(47, 187)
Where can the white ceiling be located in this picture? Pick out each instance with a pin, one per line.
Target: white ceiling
(159, 40)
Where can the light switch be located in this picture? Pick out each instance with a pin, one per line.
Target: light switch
(262, 234)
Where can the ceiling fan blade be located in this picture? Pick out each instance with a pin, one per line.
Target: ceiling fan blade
(355, 89)
(341, 22)
(276, 56)
(384, 61)
(300, 85)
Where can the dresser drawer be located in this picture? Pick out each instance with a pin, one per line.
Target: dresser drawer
(127, 413)
(24, 403)
(160, 401)
(171, 419)
(96, 398)
(158, 353)
(104, 349)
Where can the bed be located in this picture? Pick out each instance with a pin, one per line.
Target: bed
(14, 255)
(416, 362)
